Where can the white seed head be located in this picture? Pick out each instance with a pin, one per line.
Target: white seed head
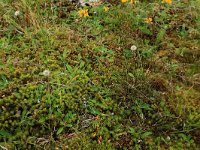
(17, 13)
(133, 48)
(46, 73)
(139, 141)
(168, 138)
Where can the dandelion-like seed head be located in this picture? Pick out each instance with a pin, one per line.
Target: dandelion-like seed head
(46, 73)
(168, 138)
(133, 48)
(17, 13)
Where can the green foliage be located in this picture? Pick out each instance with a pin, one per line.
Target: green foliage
(124, 77)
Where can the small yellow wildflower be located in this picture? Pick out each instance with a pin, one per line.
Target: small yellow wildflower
(106, 8)
(132, 1)
(148, 20)
(167, 1)
(124, 1)
(83, 13)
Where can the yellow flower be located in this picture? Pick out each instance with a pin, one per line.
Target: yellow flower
(131, 1)
(83, 13)
(148, 20)
(167, 1)
(106, 8)
(124, 1)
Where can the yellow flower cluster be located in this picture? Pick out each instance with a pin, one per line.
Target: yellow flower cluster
(124, 1)
(149, 20)
(83, 13)
(167, 1)
(106, 8)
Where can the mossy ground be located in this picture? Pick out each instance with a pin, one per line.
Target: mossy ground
(100, 94)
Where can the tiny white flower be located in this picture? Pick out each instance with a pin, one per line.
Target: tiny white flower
(85, 103)
(46, 73)
(168, 138)
(38, 101)
(142, 116)
(139, 141)
(133, 48)
(17, 13)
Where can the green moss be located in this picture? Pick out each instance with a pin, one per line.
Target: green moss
(99, 93)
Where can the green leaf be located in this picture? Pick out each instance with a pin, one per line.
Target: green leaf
(82, 64)
(42, 120)
(4, 133)
(128, 53)
(160, 35)
(3, 81)
(132, 130)
(146, 134)
(69, 125)
(60, 130)
(146, 106)
(69, 68)
(145, 30)
(131, 75)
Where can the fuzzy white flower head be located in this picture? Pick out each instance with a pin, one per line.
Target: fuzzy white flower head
(168, 138)
(38, 101)
(46, 73)
(133, 48)
(17, 13)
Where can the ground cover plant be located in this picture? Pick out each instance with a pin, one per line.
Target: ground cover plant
(109, 75)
